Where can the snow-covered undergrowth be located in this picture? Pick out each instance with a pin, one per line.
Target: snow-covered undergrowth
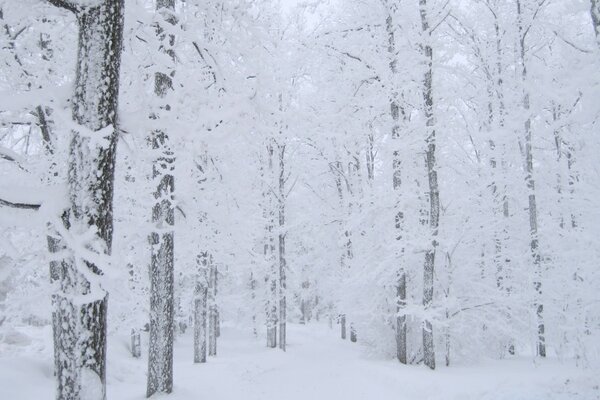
(317, 365)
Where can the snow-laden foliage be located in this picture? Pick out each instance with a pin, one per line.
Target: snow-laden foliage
(300, 135)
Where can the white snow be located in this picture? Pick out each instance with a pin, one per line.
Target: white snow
(317, 365)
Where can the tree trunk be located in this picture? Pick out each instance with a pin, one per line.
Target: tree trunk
(595, 13)
(397, 181)
(343, 325)
(530, 182)
(253, 297)
(80, 306)
(352, 333)
(270, 256)
(282, 261)
(160, 359)
(434, 211)
(200, 322)
(212, 308)
(136, 343)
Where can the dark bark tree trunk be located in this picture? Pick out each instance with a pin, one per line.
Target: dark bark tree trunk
(136, 343)
(395, 111)
(595, 13)
(282, 261)
(353, 336)
(530, 183)
(200, 323)
(253, 297)
(212, 308)
(434, 202)
(269, 251)
(80, 326)
(160, 359)
(201, 309)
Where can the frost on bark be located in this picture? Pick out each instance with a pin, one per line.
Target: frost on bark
(395, 111)
(530, 183)
(80, 305)
(160, 358)
(201, 310)
(213, 315)
(282, 261)
(269, 251)
(434, 202)
(595, 13)
(337, 169)
(353, 336)
(136, 343)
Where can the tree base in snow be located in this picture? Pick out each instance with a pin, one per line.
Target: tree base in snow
(80, 347)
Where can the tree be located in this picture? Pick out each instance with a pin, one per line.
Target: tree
(160, 359)
(595, 13)
(434, 199)
(81, 325)
(530, 180)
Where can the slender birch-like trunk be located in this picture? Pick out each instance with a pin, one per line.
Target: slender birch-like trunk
(395, 111)
(530, 183)
(595, 13)
(282, 260)
(213, 315)
(269, 251)
(201, 309)
(434, 202)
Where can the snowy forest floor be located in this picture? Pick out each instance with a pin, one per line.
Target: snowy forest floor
(317, 365)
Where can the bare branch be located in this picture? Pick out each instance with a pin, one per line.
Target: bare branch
(23, 206)
(66, 4)
(573, 45)
(471, 307)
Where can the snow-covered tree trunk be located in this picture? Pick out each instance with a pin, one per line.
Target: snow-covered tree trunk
(136, 343)
(337, 169)
(434, 202)
(505, 259)
(80, 305)
(397, 181)
(530, 183)
(595, 13)
(201, 310)
(269, 249)
(353, 336)
(160, 359)
(282, 260)
(213, 315)
(252, 286)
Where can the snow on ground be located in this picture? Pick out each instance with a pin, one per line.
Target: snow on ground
(317, 365)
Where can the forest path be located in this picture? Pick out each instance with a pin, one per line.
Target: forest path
(318, 365)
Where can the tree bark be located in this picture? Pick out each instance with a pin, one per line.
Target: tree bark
(269, 251)
(530, 183)
(136, 346)
(200, 311)
(595, 13)
(395, 110)
(353, 336)
(160, 359)
(80, 306)
(212, 308)
(434, 211)
(282, 260)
